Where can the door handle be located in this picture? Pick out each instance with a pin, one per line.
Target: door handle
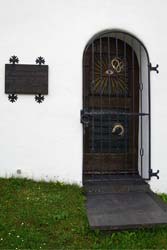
(85, 118)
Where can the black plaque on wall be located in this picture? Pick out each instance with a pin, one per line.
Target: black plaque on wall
(26, 79)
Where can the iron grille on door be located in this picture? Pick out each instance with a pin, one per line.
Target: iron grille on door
(111, 137)
(116, 106)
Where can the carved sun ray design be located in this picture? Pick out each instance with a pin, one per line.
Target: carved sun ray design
(110, 77)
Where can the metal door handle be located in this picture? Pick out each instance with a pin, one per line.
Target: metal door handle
(85, 118)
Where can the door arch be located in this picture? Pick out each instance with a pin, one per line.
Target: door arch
(116, 106)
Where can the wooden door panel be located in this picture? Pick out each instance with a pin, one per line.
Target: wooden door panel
(110, 98)
(108, 163)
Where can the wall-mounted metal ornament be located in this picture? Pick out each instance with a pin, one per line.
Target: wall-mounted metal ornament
(12, 98)
(154, 68)
(39, 98)
(154, 174)
(40, 60)
(26, 79)
(14, 59)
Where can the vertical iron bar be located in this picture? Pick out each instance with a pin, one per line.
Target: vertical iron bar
(101, 118)
(83, 106)
(109, 97)
(149, 118)
(141, 111)
(92, 90)
(133, 106)
(125, 116)
(117, 94)
(116, 45)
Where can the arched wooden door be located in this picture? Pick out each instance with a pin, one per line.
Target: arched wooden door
(110, 107)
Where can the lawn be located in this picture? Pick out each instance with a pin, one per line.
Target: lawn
(39, 215)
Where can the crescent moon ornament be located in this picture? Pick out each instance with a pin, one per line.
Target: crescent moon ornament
(116, 126)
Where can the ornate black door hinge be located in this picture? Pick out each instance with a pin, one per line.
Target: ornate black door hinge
(154, 68)
(154, 174)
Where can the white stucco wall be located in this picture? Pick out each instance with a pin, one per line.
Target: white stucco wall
(45, 141)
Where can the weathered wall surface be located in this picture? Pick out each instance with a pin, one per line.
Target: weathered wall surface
(45, 141)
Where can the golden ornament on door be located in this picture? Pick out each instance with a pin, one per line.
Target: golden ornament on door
(110, 78)
(120, 127)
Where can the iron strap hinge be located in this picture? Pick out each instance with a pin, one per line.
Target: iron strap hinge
(151, 68)
(154, 174)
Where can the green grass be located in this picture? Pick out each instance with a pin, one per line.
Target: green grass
(39, 215)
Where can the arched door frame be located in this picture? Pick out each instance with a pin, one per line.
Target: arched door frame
(124, 35)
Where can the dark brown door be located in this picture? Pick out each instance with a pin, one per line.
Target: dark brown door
(110, 105)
